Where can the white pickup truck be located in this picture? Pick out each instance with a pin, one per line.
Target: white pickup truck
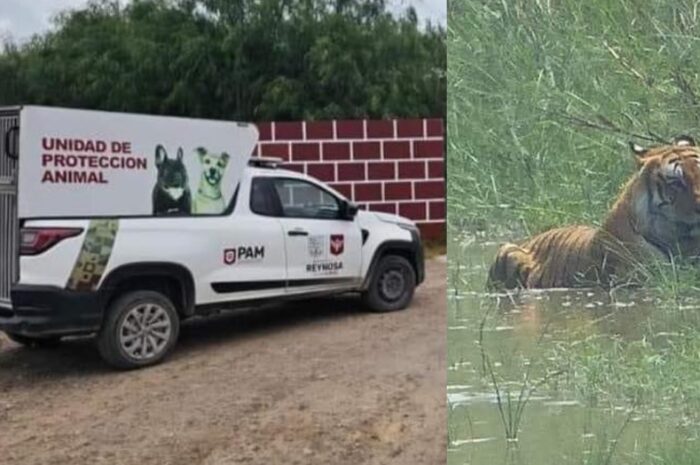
(80, 254)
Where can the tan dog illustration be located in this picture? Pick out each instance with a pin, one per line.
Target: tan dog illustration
(209, 199)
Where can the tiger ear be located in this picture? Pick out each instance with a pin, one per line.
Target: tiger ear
(684, 140)
(637, 149)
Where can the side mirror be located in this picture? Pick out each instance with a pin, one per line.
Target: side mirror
(348, 210)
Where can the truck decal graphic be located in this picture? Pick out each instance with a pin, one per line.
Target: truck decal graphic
(94, 255)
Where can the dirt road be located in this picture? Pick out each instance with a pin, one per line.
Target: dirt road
(308, 383)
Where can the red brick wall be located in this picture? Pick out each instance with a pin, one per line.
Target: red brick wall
(395, 166)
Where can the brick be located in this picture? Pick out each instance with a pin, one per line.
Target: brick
(398, 191)
(380, 129)
(306, 151)
(319, 130)
(323, 171)
(409, 128)
(289, 130)
(336, 151)
(298, 167)
(433, 231)
(436, 169)
(383, 207)
(350, 129)
(366, 150)
(264, 131)
(427, 149)
(397, 149)
(275, 150)
(381, 170)
(413, 210)
(435, 127)
(351, 171)
(345, 189)
(412, 170)
(369, 191)
(430, 190)
(437, 210)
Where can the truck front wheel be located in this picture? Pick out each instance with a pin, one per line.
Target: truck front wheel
(139, 330)
(392, 286)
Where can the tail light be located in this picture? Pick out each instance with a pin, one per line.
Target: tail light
(37, 240)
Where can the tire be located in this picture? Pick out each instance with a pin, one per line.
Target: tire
(38, 342)
(136, 321)
(392, 286)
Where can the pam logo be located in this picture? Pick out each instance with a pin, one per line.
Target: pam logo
(230, 256)
(337, 244)
(244, 254)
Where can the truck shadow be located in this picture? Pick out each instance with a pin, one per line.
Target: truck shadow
(79, 357)
(264, 320)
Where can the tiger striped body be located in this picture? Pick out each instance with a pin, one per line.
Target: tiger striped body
(656, 215)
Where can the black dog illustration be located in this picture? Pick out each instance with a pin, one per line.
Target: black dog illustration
(171, 194)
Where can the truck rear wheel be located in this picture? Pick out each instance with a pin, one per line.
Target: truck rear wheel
(139, 330)
(392, 286)
(29, 341)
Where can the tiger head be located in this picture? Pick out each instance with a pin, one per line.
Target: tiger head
(672, 175)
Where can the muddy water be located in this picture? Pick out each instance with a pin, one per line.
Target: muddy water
(565, 376)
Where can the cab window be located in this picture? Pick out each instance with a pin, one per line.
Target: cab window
(301, 199)
(263, 199)
(293, 198)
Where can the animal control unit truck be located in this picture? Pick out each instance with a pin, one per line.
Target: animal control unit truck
(123, 225)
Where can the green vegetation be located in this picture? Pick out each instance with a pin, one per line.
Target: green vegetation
(543, 97)
(240, 59)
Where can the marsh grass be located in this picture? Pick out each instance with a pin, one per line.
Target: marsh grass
(543, 97)
(512, 400)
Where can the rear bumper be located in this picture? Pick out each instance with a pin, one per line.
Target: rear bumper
(51, 311)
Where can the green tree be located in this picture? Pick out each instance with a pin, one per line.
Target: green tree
(242, 59)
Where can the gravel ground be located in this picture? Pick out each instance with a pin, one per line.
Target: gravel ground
(314, 382)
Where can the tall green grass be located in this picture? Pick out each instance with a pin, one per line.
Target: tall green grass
(545, 94)
(543, 98)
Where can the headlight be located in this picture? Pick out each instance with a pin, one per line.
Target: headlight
(409, 227)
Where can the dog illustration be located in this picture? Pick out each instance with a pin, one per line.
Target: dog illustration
(209, 199)
(171, 194)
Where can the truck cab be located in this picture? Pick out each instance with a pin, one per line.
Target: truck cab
(131, 280)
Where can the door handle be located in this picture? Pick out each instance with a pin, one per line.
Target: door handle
(298, 232)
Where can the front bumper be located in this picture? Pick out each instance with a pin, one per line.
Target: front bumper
(51, 311)
(420, 257)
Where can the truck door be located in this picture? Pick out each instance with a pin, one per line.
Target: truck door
(252, 260)
(9, 223)
(323, 249)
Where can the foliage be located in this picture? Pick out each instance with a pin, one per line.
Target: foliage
(242, 59)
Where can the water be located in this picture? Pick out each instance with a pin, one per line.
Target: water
(579, 376)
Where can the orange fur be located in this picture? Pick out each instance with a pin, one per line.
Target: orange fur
(656, 214)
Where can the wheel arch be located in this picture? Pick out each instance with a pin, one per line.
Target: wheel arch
(409, 250)
(177, 279)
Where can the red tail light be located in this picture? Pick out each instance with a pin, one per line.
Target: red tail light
(37, 240)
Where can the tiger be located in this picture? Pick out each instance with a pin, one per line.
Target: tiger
(655, 216)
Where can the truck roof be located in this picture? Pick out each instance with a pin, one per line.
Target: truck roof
(282, 172)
